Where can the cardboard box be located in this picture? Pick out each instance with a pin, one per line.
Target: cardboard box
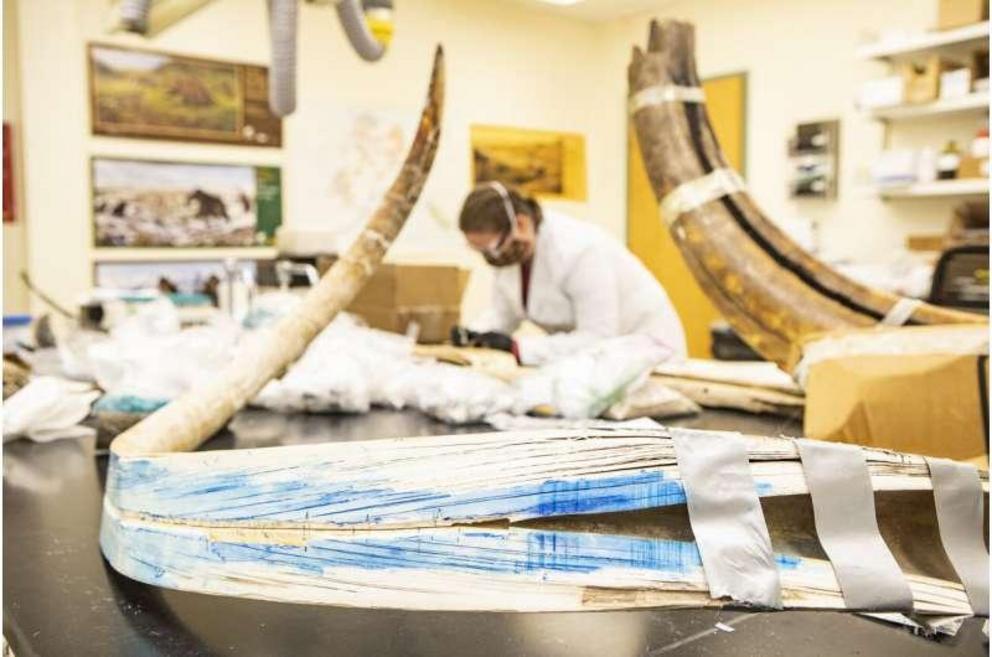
(958, 13)
(921, 82)
(921, 390)
(971, 167)
(399, 296)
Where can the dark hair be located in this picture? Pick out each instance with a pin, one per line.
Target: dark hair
(484, 209)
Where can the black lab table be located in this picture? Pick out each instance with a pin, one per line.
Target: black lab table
(61, 599)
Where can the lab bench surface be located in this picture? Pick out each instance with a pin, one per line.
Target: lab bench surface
(61, 598)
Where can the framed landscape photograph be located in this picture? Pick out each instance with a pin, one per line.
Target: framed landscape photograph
(144, 203)
(180, 277)
(141, 93)
(542, 163)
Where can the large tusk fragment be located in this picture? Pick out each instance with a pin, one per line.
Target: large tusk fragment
(197, 415)
(771, 291)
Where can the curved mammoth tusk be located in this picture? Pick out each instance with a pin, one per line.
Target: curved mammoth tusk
(357, 30)
(188, 421)
(282, 74)
(770, 290)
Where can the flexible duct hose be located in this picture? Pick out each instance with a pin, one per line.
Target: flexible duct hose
(352, 18)
(134, 15)
(282, 73)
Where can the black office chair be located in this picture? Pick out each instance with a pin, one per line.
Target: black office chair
(961, 279)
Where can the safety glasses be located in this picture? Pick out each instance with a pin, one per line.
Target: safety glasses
(496, 248)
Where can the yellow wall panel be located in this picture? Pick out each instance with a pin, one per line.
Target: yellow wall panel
(649, 238)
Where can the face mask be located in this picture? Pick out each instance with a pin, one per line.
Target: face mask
(513, 253)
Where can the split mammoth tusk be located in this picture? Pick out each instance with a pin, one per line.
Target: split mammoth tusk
(770, 290)
(188, 421)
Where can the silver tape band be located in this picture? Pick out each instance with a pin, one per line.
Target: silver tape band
(664, 93)
(901, 311)
(696, 193)
(844, 513)
(726, 517)
(957, 493)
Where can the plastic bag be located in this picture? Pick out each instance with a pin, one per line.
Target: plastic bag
(48, 408)
(452, 394)
(650, 398)
(341, 370)
(588, 382)
(148, 356)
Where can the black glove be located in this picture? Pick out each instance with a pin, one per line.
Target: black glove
(493, 340)
(463, 337)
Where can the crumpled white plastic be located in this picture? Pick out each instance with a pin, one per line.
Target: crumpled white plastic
(342, 370)
(48, 408)
(149, 356)
(588, 382)
(349, 368)
(452, 394)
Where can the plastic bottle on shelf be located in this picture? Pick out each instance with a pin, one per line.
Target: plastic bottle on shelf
(926, 165)
(949, 161)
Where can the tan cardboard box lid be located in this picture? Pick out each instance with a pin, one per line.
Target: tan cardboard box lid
(921, 390)
(434, 322)
(958, 13)
(413, 285)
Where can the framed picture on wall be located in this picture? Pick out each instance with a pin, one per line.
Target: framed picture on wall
(814, 160)
(546, 164)
(144, 203)
(186, 277)
(142, 93)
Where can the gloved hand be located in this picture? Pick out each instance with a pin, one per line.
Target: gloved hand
(493, 340)
(463, 337)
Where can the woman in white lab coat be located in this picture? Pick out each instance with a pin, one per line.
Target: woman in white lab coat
(567, 276)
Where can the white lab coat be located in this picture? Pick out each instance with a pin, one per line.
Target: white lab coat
(584, 286)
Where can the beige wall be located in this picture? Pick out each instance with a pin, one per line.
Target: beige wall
(506, 65)
(15, 296)
(801, 65)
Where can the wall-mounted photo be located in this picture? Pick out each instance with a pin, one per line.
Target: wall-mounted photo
(185, 277)
(140, 93)
(543, 163)
(813, 160)
(139, 203)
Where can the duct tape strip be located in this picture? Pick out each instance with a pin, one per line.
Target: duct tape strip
(694, 194)
(660, 94)
(901, 311)
(844, 513)
(957, 493)
(726, 517)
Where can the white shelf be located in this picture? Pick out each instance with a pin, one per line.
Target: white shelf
(178, 254)
(938, 188)
(975, 102)
(927, 41)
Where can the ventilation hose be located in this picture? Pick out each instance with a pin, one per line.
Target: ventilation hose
(134, 15)
(356, 27)
(282, 73)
